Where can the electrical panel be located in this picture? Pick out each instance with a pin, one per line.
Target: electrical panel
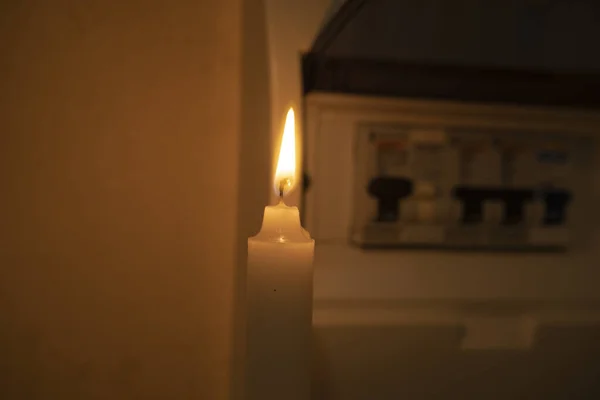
(463, 188)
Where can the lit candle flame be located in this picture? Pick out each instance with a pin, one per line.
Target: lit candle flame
(285, 173)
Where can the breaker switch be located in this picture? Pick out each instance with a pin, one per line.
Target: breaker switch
(389, 192)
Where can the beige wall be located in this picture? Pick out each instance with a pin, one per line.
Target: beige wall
(119, 157)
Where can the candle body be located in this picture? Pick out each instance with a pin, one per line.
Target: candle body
(279, 308)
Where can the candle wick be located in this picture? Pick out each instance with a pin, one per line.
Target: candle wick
(281, 189)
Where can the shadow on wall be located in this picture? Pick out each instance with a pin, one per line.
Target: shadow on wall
(426, 362)
(255, 160)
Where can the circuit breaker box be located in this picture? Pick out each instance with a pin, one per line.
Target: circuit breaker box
(463, 188)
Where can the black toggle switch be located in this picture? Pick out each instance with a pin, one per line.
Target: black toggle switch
(388, 192)
(556, 201)
(472, 203)
(472, 199)
(514, 203)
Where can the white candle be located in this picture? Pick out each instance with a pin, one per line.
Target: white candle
(279, 293)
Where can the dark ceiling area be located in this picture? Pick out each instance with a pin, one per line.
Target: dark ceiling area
(526, 52)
